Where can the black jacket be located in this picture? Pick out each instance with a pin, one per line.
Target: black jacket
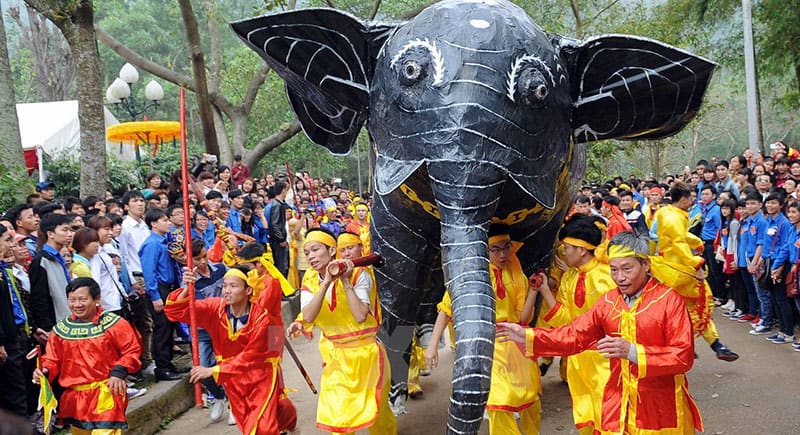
(8, 328)
(277, 221)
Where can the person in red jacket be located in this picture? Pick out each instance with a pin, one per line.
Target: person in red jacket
(91, 353)
(247, 344)
(643, 328)
(239, 171)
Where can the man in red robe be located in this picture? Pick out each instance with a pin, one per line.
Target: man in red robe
(643, 327)
(91, 352)
(247, 345)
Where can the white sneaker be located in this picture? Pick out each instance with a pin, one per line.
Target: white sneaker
(136, 392)
(218, 409)
(730, 306)
(231, 419)
(151, 369)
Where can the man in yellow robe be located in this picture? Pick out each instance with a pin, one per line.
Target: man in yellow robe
(678, 267)
(342, 303)
(581, 285)
(516, 384)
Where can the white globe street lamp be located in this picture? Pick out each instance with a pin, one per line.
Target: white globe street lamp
(119, 93)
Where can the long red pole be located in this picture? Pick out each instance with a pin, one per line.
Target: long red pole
(187, 236)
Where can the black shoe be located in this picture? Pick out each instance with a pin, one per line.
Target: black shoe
(167, 376)
(726, 354)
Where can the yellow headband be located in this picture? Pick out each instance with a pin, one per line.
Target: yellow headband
(242, 260)
(362, 207)
(619, 251)
(237, 273)
(578, 242)
(321, 237)
(347, 239)
(499, 238)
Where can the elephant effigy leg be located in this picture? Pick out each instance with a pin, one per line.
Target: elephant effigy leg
(401, 289)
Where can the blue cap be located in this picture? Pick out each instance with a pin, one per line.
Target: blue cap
(43, 185)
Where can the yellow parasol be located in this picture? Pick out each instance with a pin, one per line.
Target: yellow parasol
(144, 132)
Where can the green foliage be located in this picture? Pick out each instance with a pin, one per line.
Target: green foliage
(302, 155)
(14, 186)
(598, 158)
(23, 76)
(65, 172)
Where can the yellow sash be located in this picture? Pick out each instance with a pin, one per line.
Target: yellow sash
(105, 401)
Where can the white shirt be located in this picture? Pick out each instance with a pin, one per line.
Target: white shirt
(105, 273)
(22, 277)
(130, 240)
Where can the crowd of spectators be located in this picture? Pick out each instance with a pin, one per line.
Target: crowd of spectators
(133, 246)
(746, 212)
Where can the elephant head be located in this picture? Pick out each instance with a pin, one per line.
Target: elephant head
(474, 115)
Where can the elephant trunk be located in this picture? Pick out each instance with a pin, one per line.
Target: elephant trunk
(466, 206)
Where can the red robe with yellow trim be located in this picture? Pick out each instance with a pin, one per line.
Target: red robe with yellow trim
(652, 396)
(82, 355)
(247, 360)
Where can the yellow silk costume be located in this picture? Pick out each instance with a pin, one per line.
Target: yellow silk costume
(516, 382)
(588, 371)
(676, 266)
(354, 389)
(416, 364)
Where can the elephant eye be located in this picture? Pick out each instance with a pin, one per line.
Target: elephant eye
(416, 60)
(411, 72)
(529, 81)
(531, 87)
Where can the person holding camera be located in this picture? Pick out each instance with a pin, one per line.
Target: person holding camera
(239, 171)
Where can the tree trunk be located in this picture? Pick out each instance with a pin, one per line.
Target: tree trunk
(576, 13)
(225, 153)
(76, 22)
(83, 45)
(284, 133)
(10, 144)
(199, 70)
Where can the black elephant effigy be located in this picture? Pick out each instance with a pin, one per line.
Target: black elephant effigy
(475, 116)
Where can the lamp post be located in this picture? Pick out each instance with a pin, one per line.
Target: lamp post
(119, 92)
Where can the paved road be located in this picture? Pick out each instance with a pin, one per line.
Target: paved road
(756, 395)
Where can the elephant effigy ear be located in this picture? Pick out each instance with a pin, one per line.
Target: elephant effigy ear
(631, 88)
(326, 58)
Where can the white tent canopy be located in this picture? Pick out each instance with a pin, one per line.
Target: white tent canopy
(55, 127)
